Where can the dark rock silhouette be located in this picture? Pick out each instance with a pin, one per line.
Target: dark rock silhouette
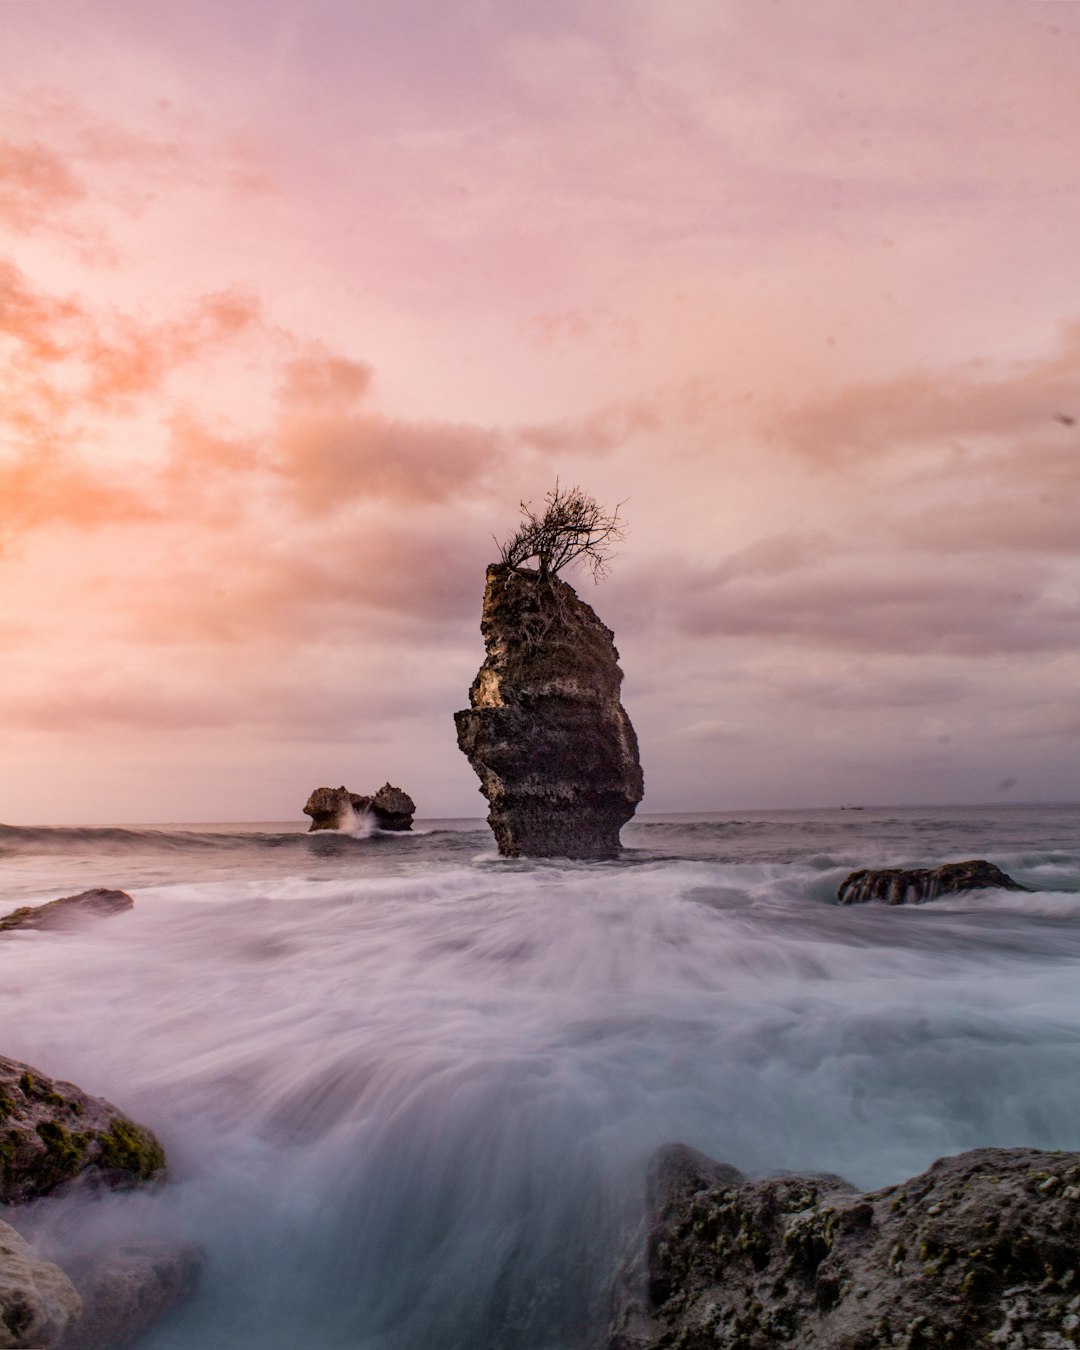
(981, 1249)
(52, 1134)
(66, 912)
(894, 886)
(337, 808)
(546, 734)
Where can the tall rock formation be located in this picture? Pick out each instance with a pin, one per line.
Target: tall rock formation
(552, 745)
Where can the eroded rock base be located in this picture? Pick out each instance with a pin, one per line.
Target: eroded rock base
(545, 732)
(983, 1249)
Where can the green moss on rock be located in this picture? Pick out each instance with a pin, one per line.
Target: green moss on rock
(66, 1151)
(127, 1147)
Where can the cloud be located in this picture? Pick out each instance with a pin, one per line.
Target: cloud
(597, 433)
(881, 602)
(329, 461)
(45, 327)
(940, 407)
(36, 184)
(127, 359)
(321, 379)
(49, 487)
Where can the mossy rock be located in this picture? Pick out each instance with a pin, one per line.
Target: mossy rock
(981, 1249)
(52, 1134)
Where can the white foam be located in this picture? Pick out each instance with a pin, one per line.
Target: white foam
(416, 1108)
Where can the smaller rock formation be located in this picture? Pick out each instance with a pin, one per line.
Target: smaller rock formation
(67, 912)
(38, 1302)
(392, 808)
(338, 808)
(554, 750)
(982, 1249)
(52, 1133)
(893, 886)
(126, 1289)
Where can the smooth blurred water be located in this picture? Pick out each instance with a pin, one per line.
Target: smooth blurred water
(408, 1090)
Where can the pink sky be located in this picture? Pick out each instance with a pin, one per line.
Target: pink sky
(298, 301)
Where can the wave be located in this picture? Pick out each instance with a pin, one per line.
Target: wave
(67, 838)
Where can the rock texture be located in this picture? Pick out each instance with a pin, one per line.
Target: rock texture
(983, 1249)
(38, 1302)
(52, 1133)
(552, 745)
(127, 1289)
(893, 886)
(337, 808)
(69, 910)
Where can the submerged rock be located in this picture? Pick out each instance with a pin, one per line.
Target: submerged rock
(38, 1302)
(66, 912)
(981, 1249)
(338, 808)
(546, 734)
(126, 1289)
(894, 886)
(52, 1133)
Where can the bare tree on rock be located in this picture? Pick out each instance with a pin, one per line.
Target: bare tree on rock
(572, 527)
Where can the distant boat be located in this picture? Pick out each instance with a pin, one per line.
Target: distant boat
(853, 808)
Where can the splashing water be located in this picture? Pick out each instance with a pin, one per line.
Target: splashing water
(408, 1091)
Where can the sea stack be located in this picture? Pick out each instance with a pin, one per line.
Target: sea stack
(339, 809)
(545, 732)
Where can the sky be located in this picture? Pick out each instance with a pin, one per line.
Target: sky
(299, 301)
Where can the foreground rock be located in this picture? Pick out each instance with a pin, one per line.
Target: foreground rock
(38, 1302)
(52, 1133)
(893, 886)
(981, 1249)
(126, 1290)
(546, 734)
(69, 910)
(338, 808)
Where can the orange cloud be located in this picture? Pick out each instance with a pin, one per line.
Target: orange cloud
(49, 487)
(324, 380)
(35, 185)
(129, 359)
(44, 327)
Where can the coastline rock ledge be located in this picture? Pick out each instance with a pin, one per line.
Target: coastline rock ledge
(554, 750)
(981, 1249)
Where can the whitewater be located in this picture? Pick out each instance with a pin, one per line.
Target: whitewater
(409, 1090)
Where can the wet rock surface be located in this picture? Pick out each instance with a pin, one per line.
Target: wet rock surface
(69, 910)
(895, 886)
(981, 1249)
(38, 1303)
(338, 808)
(52, 1134)
(127, 1289)
(554, 750)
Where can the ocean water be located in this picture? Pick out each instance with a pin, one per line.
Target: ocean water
(409, 1090)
